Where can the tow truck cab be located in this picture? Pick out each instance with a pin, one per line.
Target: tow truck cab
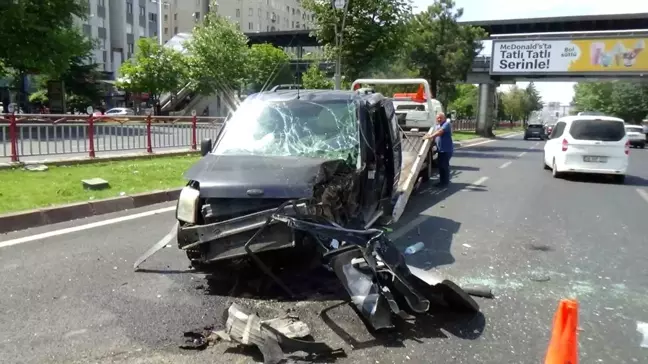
(413, 110)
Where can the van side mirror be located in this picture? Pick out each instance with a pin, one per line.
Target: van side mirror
(205, 147)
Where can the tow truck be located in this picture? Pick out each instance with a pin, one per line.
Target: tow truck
(314, 168)
(416, 111)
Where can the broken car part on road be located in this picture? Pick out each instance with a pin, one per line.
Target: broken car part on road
(272, 337)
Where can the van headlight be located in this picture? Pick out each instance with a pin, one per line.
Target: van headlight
(188, 205)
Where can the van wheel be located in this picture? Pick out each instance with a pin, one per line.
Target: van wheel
(544, 163)
(554, 170)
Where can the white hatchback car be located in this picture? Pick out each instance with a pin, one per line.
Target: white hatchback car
(588, 144)
(636, 135)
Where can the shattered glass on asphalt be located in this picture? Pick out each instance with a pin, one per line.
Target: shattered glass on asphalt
(292, 128)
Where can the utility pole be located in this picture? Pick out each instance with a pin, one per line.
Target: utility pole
(339, 36)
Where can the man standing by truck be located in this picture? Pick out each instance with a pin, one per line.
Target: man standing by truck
(443, 139)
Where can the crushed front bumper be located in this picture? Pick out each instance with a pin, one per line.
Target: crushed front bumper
(226, 239)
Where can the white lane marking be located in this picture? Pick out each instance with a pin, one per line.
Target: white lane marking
(485, 142)
(643, 194)
(479, 182)
(514, 135)
(425, 214)
(521, 154)
(93, 225)
(506, 164)
(474, 144)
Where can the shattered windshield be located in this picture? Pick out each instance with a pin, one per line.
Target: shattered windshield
(325, 129)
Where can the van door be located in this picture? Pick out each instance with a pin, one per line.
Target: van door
(596, 142)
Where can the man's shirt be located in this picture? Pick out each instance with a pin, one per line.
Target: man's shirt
(444, 142)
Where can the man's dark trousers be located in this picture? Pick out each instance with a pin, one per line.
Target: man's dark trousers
(444, 167)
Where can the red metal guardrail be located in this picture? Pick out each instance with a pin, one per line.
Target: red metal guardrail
(50, 134)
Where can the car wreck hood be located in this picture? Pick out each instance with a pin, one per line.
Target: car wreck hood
(247, 176)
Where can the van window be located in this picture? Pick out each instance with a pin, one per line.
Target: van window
(557, 130)
(596, 129)
(418, 107)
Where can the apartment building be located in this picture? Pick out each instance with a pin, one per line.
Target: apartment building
(181, 16)
(116, 25)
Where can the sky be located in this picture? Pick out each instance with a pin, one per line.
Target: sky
(516, 9)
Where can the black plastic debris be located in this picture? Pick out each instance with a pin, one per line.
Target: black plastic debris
(372, 270)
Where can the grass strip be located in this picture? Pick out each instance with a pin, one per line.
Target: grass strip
(25, 190)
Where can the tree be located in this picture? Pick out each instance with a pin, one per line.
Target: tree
(218, 57)
(267, 66)
(373, 32)
(514, 102)
(314, 78)
(39, 37)
(440, 48)
(593, 96)
(81, 82)
(464, 103)
(154, 69)
(532, 101)
(626, 100)
(630, 101)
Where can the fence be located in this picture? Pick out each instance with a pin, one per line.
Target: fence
(46, 135)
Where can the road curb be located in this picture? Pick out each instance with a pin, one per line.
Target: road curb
(87, 160)
(52, 215)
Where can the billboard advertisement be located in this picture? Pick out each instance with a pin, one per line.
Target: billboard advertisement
(569, 56)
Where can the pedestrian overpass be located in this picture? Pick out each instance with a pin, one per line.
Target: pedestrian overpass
(573, 48)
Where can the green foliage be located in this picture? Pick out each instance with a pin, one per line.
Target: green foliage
(153, 69)
(626, 100)
(440, 48)
(267, 66)
(373, 32)
(81, 82)
(39, 36)
(217, 56)
(514, 102)
(39, 97)
(519, 104)
(465, 102)
(314, 78)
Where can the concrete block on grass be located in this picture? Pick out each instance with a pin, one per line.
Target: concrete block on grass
(95, 184)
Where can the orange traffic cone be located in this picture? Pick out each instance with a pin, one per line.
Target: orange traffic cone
(563, 346)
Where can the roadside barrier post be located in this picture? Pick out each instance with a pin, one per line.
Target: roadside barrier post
(149, 144)
(194, 138)
(13, 136)
(91, 147)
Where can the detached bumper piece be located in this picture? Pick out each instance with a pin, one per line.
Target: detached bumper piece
(272, 337)
(373, 272)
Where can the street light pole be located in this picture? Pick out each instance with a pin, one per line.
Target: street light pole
(160, 4)
(339, 39)
(160, 17)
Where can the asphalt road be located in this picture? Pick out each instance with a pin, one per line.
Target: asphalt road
(504, 222)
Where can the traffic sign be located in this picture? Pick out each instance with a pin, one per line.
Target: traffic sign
(89, 109)
(12, 108)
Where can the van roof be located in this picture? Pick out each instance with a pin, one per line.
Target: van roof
(589, 117)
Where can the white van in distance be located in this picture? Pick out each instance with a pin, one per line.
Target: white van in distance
(588, 144)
